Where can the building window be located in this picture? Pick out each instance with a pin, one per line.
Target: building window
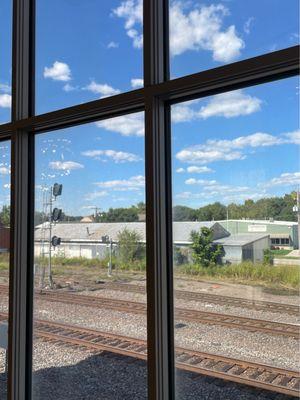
(98, 98)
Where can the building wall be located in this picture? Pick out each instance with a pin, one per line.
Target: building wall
(240, 226)
(258, 249)
(233, 254)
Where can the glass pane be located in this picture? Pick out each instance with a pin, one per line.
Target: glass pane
(5, 60)
(236, 253)
(208, 34)
(4, 259)
(79, 60)
(90, 261)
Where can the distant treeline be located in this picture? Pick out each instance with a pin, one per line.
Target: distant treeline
(278, 208)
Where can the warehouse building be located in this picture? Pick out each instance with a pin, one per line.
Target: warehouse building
(92, 240)
(244, 247)
(283, 234)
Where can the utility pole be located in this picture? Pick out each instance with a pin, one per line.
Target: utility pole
(296, 209)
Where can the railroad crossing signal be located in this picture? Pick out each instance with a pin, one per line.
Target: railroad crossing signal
(56, 214)
(55, 241)
(57, 189)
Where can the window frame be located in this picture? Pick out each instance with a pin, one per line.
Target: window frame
(154, 99)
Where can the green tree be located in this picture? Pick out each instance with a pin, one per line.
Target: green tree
(5, 215)
(130, 247)
(183, 213)
(204, 251)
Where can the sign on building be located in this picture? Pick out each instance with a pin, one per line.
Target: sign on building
(257, 228)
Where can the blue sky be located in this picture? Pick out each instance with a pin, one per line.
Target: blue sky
(230, 147)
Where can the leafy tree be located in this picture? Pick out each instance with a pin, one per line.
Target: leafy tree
(212, 212)
(204, 251)
(183, 213)
(130, 247)
(5, 215)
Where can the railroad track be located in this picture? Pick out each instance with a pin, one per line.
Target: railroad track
(203, 317)
(257, 375)
(214, 299)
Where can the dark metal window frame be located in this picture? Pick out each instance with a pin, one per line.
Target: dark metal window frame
(154, 99)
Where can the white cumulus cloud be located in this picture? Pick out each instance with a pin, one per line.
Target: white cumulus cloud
(236, 149)
(5, 100)
(116, 156)
(133, 183)
(125, 125)
(137, 83)
(198, 170)
(231, 104)
(112, 45)
(58, 72)
(285, 179)
(65, 165)
(199, 28)
(103, 89)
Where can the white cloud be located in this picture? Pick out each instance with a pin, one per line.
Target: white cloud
(193, 181)
(199, 155)
(58, 72)
(116, 156)
(132, 12)
(126, 125)
(235, 149)
(69, 88)
(180, 170)
(95, 195)
(293, 137)
(198, 170)
(231, 104)
(65, 165)
(5, 100)
(285, 179)
(247, 25)
(133, 183)
(4, 171)
(5, 88)
(137, 83)
(183, 113)
(198, 29)
(112, 45)
(101, 88)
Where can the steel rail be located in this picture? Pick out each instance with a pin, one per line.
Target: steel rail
(231, 369)
(184, 314)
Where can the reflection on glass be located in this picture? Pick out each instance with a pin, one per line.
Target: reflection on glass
(208, 34)
(79, 60)
(236, 242)
(4, 259)
(5, 60)
(90, 261)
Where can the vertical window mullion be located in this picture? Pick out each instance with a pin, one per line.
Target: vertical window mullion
(159, 209)
(22, 186)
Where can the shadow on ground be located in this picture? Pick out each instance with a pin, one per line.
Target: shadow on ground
(112, 377)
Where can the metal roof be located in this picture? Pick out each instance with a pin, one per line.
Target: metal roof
(240, 239)
(95, 231)
(261, 221)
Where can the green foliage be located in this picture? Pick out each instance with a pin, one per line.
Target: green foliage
(183, 213)
(204, 252)
(119, 215)
(268, 257)
(212, 212)
(5, 215)
(131, 250)
(249, 273)
(179, 256)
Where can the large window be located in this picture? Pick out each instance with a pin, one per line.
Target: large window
(154, 217)
(4, 263)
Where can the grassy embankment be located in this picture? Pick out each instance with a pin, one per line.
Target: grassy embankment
(248, 273)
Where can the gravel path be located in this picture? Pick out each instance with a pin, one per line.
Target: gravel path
(201, 306)
(61, 374)
(257, 347)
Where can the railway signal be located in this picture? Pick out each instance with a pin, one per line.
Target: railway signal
(55, 241)
(56, 214)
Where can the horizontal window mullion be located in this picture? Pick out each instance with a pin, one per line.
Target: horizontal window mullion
(262, 69)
